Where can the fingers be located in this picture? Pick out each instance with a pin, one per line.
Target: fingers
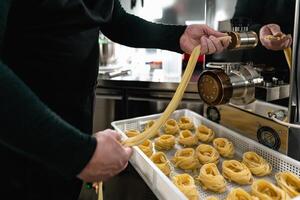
(112, 133)
(205, 36)
(280, 41)
(208, 31)
(218, 44)
(212, 45)
(204, 45)
(275, 29)
(277, 44)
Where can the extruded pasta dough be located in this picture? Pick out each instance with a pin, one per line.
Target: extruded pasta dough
(239, 194)
(265, 190)
(224, 147)
(289, 182)
(147, 148)
(205, 134)
(186, 184)
(132, 133)
(257, 164)
(212, 198)
(186, 159)
(237, 172)
(187, 138)
(171, 127)
(207, 154)
(164, 142)
(161, 161)
(186, 123)
(211, 179)
(149, 125)
(174, 102)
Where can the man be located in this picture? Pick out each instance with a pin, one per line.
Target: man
(52, 46)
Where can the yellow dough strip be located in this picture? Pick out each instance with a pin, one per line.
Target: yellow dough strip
(172, 105)
(287, 51)
(139, 139)
(288, 56)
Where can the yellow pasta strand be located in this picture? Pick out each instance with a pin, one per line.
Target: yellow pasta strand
(186, 159)
(207, 154)
(224, 147)
(265, 190)
(289, 182)
(149, 125)
(287, 51)
(172, 105)
(147, 147)
(185, 123)
(211, 179)
(205, 134)
(257, 164)
(211, 198)
(237, 172)
(161, 161)
(164, 142)
(132, 133)
(171, 127)
(186, 184)
(239, 194)
(186, 138)
(288, 56)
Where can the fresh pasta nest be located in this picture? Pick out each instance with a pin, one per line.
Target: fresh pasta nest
(239, 194)
(257, 164)
(186, 123)
(289, 182)
(164, 142)
(147, 147)
(161, 161)
(265, 190)
(186, 159)
(186, 184)
(186, 138)
(224, 147)
(207, 154)
(171, 127)
(237, 172)
(205, 134)
(211, 179)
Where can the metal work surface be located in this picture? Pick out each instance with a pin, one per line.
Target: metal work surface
(149, 80)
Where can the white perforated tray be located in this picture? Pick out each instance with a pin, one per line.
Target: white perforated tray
(163, 187)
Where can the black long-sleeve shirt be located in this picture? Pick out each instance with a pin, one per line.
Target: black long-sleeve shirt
(48, 45)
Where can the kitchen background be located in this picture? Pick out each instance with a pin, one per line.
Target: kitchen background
(152, 75)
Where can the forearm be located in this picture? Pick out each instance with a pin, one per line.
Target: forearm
(30, 128)
(133, 31)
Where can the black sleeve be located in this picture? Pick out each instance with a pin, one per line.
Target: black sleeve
(133, 31)
(28, 127)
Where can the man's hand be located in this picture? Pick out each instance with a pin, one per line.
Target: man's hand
(109, 158)
(272, 38)
(208, 38)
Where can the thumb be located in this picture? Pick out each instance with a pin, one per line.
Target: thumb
(128, 152)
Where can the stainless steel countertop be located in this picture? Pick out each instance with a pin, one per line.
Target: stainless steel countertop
(143, 78)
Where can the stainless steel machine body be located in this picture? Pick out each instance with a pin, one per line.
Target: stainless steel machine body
(230, 91)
